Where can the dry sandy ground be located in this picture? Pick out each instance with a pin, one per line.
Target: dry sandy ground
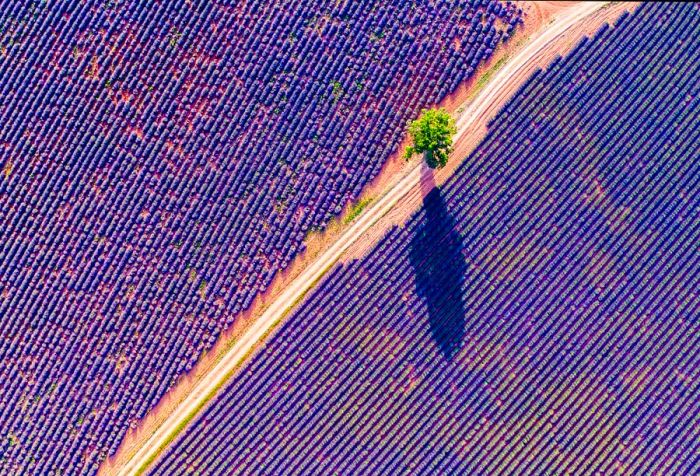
(538, 18)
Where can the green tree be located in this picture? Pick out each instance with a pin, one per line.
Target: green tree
(432, 136)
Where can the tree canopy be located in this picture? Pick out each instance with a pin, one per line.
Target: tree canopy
(432, 136)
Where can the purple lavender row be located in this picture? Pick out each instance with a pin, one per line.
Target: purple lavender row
(540, 313)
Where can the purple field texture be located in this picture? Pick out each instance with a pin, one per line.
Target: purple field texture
(160, 162)
(539, 315)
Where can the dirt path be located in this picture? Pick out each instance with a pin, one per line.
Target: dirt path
(561, 34)
(401, 199)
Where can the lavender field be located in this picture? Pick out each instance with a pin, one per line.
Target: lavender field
(539, 315)
(161, 162)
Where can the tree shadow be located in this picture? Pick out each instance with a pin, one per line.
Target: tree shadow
(440, 268)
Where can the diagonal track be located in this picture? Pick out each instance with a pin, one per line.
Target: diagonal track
(206, 388)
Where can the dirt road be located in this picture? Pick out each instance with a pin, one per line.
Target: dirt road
(207, 387)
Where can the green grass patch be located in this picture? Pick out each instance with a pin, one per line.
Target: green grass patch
(488, 74)
(356, 209)
(486, 77)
